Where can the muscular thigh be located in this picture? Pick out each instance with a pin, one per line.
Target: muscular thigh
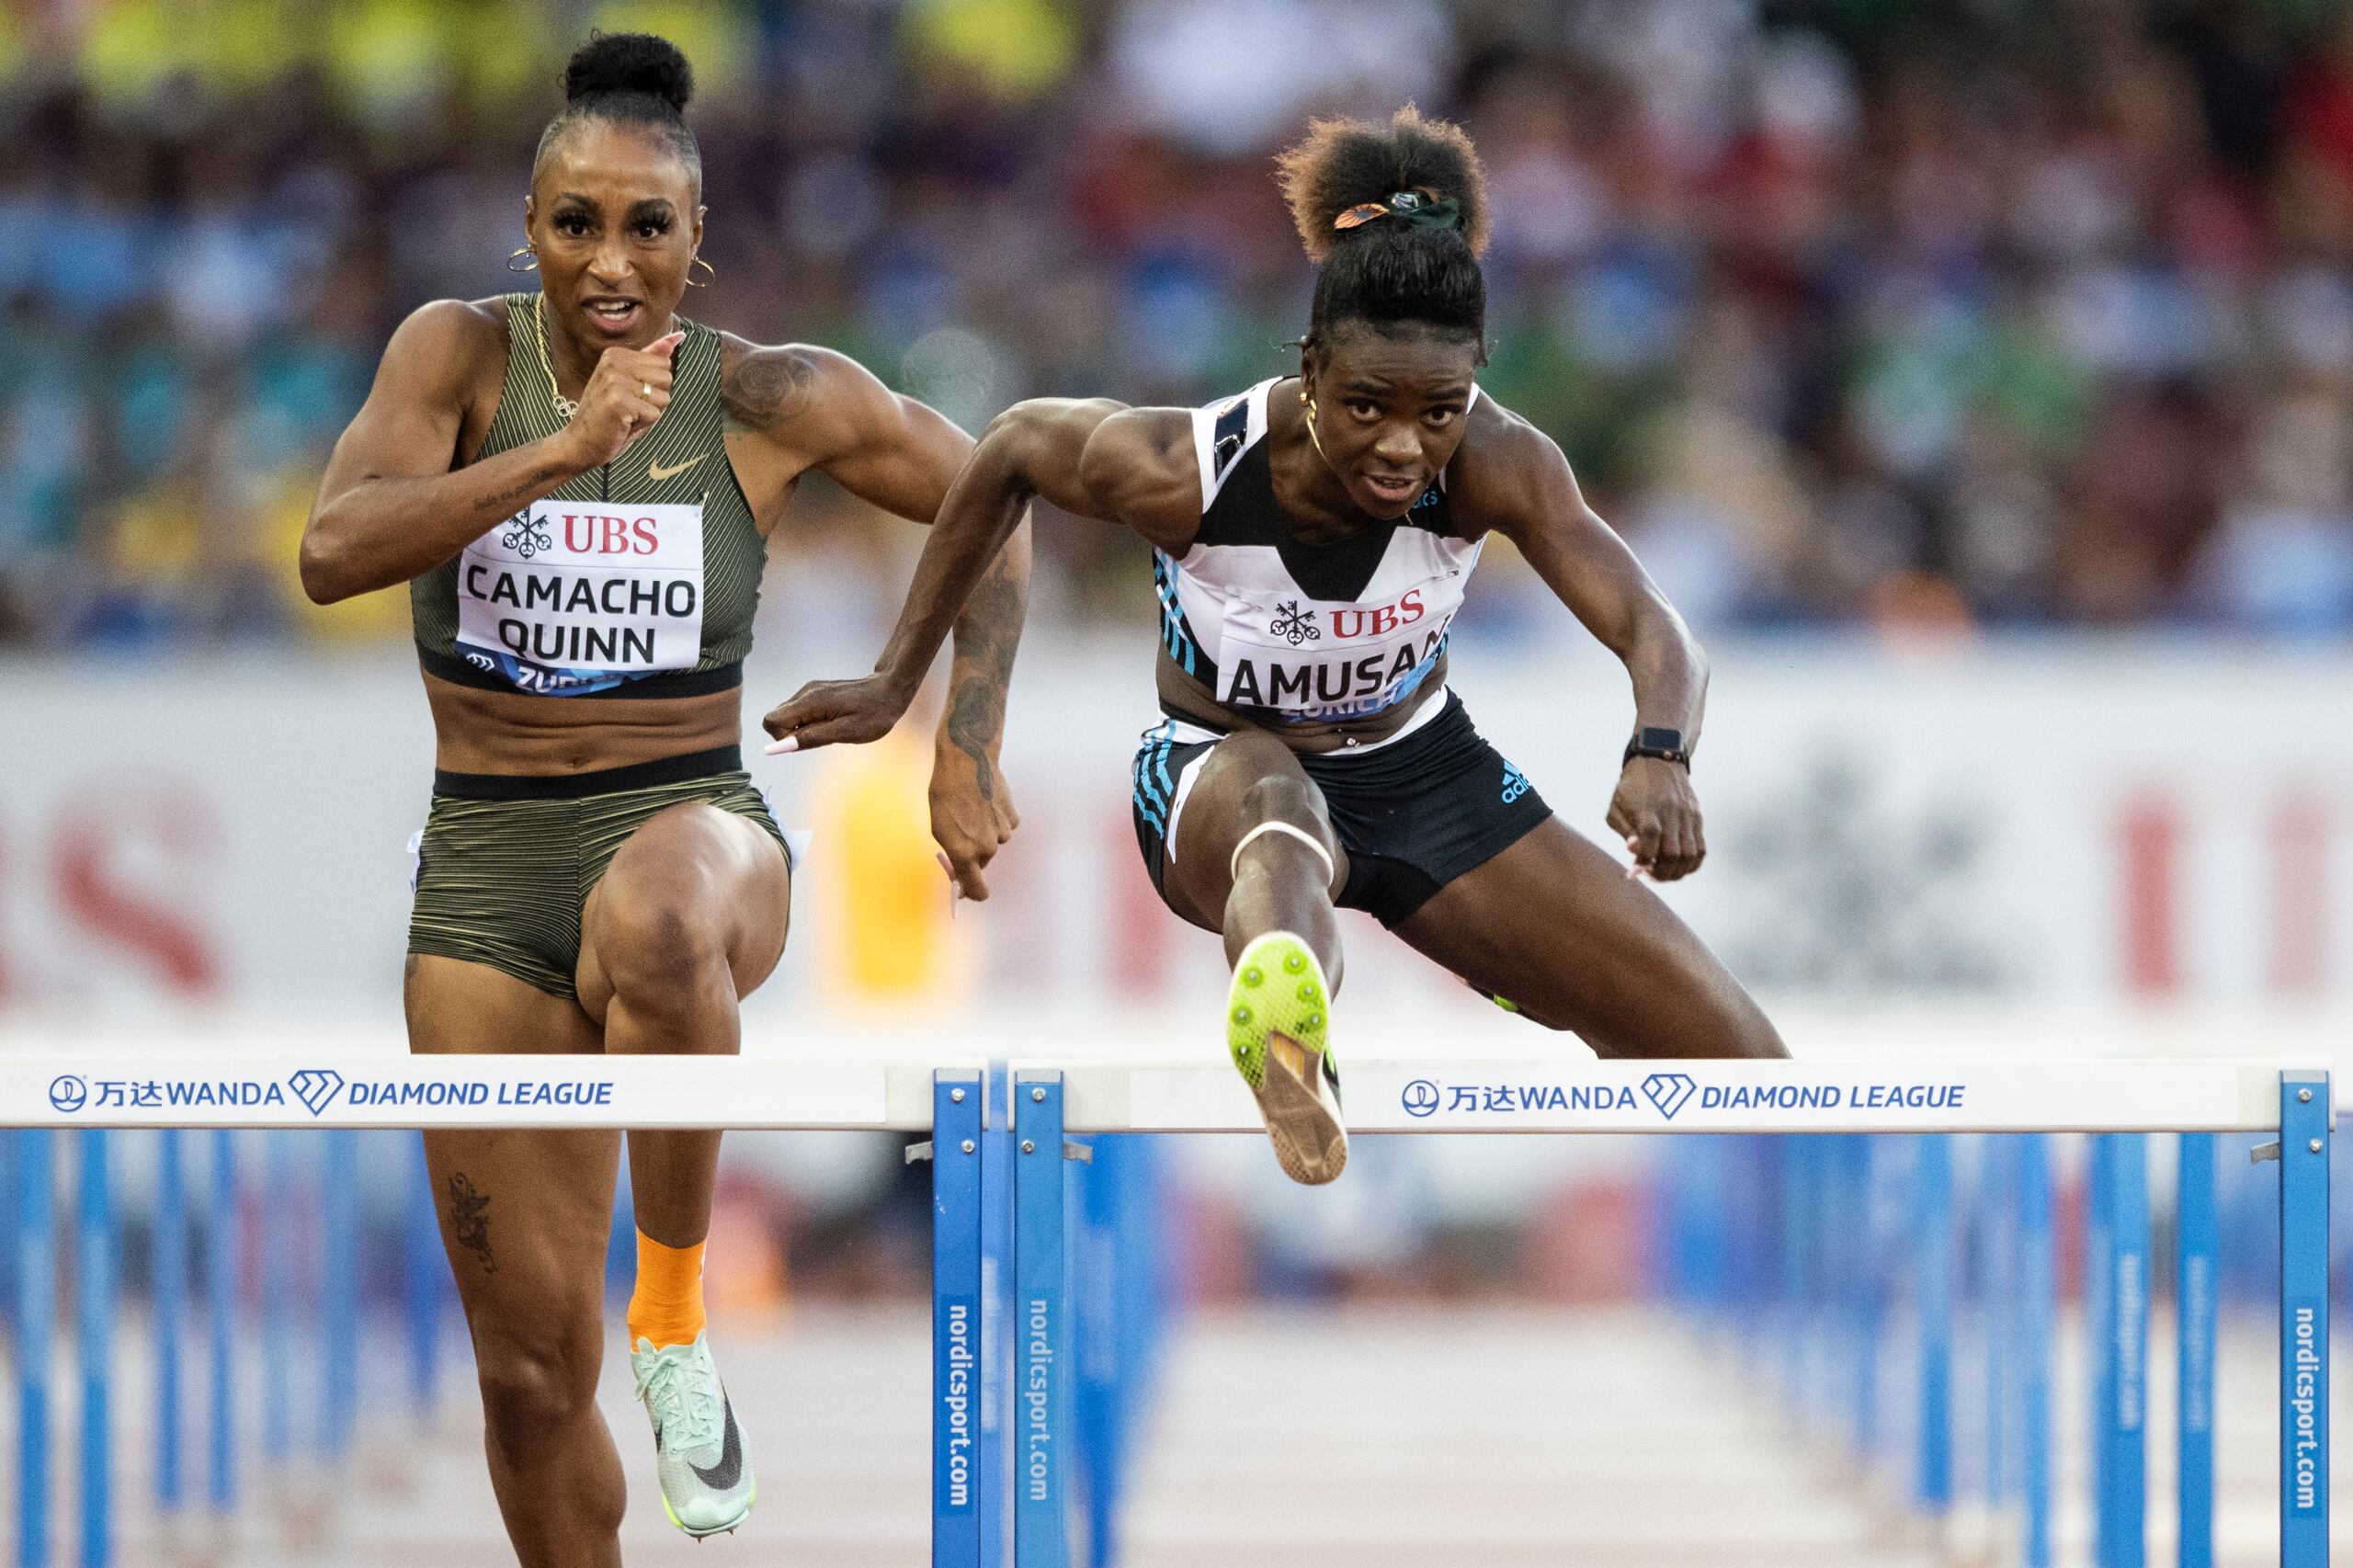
(1555, 925)
(692, 877)
(524, 1215)
(1245, 780)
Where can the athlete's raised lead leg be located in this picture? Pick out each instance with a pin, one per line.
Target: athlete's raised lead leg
(688, 917)
(1254, 843)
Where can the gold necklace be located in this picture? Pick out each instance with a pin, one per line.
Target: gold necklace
(565, 407)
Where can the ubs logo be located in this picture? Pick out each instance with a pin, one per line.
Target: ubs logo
(1294, 625)
(1378, 621)
(526, 538)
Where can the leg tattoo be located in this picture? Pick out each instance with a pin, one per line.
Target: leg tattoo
(470, 1219)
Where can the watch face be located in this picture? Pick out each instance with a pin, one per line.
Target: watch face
(1660, 740)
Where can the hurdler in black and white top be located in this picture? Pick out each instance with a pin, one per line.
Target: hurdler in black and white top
(1340, 648)
(1298, 636)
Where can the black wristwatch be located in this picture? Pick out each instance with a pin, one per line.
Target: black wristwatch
(1664, 745)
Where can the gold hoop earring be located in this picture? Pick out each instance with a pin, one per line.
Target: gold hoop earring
(530, 266)
(699, 261)
(1313, 438)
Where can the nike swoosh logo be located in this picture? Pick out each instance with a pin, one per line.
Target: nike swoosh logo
(657, 473)
(723, 1476)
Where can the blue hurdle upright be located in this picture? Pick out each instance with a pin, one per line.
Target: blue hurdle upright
(1035, 1385)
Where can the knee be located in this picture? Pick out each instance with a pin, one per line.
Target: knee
(1282, 797)
(652, 943)
(535, 1384)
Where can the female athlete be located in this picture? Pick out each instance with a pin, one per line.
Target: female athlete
(1312, 541)
(577, 483)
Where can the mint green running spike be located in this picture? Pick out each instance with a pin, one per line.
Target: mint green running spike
(1277, 1015)
(706, 1477)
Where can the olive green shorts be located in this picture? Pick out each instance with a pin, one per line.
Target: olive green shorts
(505, 865)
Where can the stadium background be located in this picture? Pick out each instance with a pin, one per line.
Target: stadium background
(1976, 377)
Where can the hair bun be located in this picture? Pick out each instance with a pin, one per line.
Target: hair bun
(630, 63)
(1411, 168)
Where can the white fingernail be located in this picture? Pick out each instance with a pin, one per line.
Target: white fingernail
(790, 743)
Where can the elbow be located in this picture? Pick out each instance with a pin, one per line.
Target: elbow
(326, 579)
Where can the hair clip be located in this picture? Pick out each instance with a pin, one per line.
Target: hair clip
(1416, 206)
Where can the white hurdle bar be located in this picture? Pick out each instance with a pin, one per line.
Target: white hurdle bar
(1001, 1147)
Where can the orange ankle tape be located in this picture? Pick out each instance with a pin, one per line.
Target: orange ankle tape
(666, 1307)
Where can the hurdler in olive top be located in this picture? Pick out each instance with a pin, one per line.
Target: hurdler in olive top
(681, 461)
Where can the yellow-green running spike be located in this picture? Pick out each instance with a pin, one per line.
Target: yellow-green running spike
(1277, 1015)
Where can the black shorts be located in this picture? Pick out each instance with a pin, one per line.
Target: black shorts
(1413, 816)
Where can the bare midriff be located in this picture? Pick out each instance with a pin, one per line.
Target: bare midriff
(499, 732)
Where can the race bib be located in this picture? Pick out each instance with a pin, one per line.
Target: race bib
(573, 597)
(1313, 659)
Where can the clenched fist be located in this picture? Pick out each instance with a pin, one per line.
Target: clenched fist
(626, 393)
(1656, 813)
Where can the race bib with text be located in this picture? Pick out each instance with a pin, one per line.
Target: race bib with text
(1310, 659)
(573, 597)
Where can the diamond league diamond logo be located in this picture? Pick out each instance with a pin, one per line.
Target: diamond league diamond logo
(1420, 1097)
(316, 1087)
(1669, 1091)
(68, 1093)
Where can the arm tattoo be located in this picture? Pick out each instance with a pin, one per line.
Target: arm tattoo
(530, 487)
(469, 1219)
(765, 390)
(988, 634)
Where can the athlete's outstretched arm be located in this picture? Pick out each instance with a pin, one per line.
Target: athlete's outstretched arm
(832, 414)
(1525, 489)
(390, 504)
(1093, 458)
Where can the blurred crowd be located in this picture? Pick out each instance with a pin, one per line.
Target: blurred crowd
(1908, 313)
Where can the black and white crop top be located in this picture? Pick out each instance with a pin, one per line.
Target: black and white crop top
(1285, 633)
